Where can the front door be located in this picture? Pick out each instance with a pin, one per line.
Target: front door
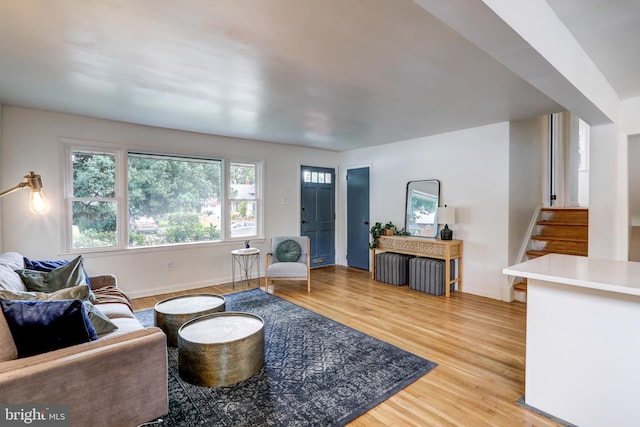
(317, 213)
(358, 218)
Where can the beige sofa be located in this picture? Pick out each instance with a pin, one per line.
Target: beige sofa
(120, 379)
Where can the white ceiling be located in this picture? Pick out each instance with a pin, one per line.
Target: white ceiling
(330, 74)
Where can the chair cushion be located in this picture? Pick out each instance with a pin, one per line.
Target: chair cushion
(41, 326)
(287, 269)
(288, 251)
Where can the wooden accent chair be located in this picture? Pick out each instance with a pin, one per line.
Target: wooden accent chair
(288, 259)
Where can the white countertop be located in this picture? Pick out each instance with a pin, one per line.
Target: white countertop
(594, 273)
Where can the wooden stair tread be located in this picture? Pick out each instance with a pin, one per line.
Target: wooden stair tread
(520, 287)
(559, 239)
(547, 209)
(537, 253)
(562, 223)
(559, 231)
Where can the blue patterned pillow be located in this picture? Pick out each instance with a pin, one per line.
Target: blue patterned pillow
(41, 326)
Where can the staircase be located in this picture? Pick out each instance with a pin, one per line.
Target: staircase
(559, 231)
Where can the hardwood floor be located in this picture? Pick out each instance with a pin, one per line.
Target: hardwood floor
(478, 343)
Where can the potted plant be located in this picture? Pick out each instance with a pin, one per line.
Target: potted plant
(389, 229)
(376, 231)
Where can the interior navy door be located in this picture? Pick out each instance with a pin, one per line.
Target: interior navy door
(317, 213)
(358, 218)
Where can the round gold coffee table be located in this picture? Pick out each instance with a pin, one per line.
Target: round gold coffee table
(174, 312)
(221, 348)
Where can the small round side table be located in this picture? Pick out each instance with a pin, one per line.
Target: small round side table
(245, 260)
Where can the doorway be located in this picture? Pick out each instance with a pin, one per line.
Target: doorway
(317, 213)
(358, 218)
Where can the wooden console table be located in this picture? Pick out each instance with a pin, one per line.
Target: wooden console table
(424, 247)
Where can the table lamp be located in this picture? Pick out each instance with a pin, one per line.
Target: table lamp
(447, 216)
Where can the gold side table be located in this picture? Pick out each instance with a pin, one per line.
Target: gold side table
(220, 348)
(174, 312)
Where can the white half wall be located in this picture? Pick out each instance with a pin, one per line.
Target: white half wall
(473, 168)
(30, 141)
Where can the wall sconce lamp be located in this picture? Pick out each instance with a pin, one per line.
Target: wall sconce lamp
(37, 202)
(447, 216)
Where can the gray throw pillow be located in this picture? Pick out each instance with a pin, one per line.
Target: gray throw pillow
(101, 323)
(68, 275)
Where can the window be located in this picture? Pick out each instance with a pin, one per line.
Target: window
(316, 177)
(243, 203)
(94, 207)
(173, 199)
(166, 200)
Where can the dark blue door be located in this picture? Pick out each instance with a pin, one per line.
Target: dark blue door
(358, 218)
(317, 213)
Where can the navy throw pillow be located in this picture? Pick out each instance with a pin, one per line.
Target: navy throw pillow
(51, 264)
(41, 326)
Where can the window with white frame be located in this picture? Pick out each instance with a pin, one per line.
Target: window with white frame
(243, 201)
(93, 203)
(167, 199)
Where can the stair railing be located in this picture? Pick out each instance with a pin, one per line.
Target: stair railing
(525, 242)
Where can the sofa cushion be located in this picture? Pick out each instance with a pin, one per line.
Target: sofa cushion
(115, 310)
(125, 325)
(41, 326)
(10, 280)
(50, 265)
(68, 275)
(8, 350)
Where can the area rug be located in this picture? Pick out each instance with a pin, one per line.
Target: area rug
(317, 372)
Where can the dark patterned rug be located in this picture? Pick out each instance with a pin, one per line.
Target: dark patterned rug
(317, 372)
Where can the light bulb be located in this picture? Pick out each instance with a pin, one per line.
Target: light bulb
(38, 203)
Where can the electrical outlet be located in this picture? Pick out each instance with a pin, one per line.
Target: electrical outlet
(170, 266)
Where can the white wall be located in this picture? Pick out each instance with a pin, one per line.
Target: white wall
(526, 174)
(30, 142)
(473, 168)
(609, 220)
(603, 181)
